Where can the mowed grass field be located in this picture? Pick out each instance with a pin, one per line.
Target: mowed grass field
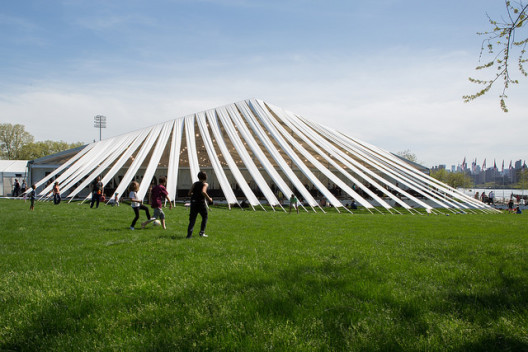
(78, 279)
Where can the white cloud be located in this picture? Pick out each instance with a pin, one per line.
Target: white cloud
(411, 104)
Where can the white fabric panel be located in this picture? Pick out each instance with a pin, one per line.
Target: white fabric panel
(138, 160)
(357, 167)
(274, 127)
(431, 181)
(215, 161)
(76, 168)
(213, 123)
(174, 159)
(397, 176)
(257, 129)
(115, 153)
(351, 164)
(291, 122)
(253, 145)
(194, 165)
(63, 166)
(110, 146)
(284, 115)
(223, 114)
(139, 138)
(369, 160)
(155, 158)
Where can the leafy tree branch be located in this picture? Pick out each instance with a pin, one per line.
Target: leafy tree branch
(502, 45)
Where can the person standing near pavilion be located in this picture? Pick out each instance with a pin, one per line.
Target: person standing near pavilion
(491, 197)
(199, 196)
(32, 196)
(16, 188)
(56, 193)
(294, 202)
(97, 191)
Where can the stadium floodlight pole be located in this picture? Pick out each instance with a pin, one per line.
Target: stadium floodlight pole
(100, 122)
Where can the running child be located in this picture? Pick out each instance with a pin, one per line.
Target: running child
(136, 203)
(157, 195)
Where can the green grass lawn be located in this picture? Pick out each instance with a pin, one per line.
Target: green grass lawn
(77, 279)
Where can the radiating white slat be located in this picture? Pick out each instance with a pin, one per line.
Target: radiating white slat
(138, 160)
(190, 138)
(174, 159)
(274, 128)
(155, 157)
(62, 167)
(215, 161)
(213, 123)
(286, 119)
(431, 181)
(226, 117)
(268, 144)
(138, 140)
(329, 148)
(119, 148)
(357, 167)
(79, 166)
(255, 148)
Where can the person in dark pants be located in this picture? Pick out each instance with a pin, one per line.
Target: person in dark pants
(136, 203)
(97, 191)
(32, 196)
(16, 188)
(56, 194)
(199, 196)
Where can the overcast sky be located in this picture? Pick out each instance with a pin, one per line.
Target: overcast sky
(390, 72)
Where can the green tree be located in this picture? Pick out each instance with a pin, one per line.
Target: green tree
(502, 45)
(453, 179)
(459, 179)
(39, 149)
(12, 139)
(523, 179)
(407, 154)
(440, 175)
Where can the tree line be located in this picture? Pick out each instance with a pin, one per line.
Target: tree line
(18, 144)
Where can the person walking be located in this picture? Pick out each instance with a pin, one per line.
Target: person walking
(157, 195)
(16, 188)
(97, 191)
(491, 197)
(199, 196)
(136, 204)
(32, 196)
(56, 193)
(294, 202)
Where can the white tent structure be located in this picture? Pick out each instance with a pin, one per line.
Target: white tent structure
(9, 171)
(260, 153)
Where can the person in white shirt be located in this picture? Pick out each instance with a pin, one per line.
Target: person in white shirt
(136, 203)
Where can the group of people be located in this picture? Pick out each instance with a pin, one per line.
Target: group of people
(158, 194)
(486, 198)
(19, 189)
(490, 199)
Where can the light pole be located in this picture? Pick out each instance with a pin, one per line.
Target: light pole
(100, 122)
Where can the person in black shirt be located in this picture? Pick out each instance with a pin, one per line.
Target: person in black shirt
(97, 191)
(199, 196)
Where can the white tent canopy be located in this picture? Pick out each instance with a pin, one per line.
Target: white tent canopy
(260, 154)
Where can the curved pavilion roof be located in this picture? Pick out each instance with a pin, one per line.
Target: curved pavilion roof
(258, 143)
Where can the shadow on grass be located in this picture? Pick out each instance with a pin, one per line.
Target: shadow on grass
(243, 309)
(495, 342)
(59, 317)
